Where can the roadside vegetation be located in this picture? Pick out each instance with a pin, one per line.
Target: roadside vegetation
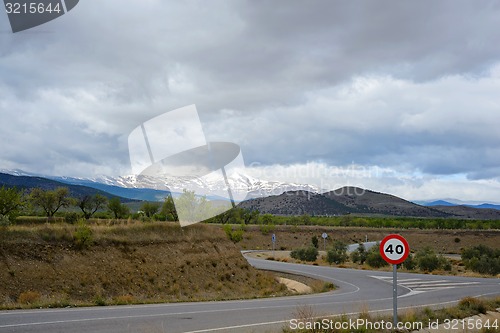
(103, 262)
(467, 307)
(305, 254)
(423, 261)
(482, 259)
(479, 260)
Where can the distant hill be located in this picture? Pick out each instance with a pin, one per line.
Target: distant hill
(28, 183)
(370, 202)
(470, 212)
(356, 200)
(457, 203)
(486, 206)
(296, 203)
(437, 203)
(342, 201)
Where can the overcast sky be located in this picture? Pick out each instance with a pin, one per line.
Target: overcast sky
(399, 97)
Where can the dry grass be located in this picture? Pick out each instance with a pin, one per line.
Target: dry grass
(441, 241)
(29, 297)
(467, 307)
(125, 263)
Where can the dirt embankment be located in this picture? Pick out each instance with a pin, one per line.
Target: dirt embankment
(48, 265)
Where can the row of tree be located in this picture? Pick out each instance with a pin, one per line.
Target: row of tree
(12, 202)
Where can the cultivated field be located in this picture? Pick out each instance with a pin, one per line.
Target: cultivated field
(291, 237)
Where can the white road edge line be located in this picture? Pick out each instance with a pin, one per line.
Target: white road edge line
(328, 316)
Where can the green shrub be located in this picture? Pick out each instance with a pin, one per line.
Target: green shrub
(71, 217)
(267, 228)
(314, 241)
(227, 229)
(359, 255)
(337, 254)
(427, 260)
(234, 235)
(237, 235)
(472, 304)
(482, 259)
(374, 259)
(444, 263)
(409, 263)
(99, 300)
(83, 236)
(4, 221)
(305, 254)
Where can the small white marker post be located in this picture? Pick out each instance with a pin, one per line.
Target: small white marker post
(394, 249)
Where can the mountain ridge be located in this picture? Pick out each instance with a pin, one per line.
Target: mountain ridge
(30, 182)
(304, 200)
(345, 200)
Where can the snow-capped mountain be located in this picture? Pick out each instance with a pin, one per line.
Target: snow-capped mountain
(206, 186)
(18, 172)
(143, 187)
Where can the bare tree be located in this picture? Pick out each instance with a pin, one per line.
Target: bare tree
(89, 204)
(50, 201)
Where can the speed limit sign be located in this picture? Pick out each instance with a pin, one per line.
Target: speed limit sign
(394, 249)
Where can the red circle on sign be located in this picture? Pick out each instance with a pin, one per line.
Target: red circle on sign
(394, 249)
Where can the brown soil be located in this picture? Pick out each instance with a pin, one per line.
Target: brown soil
(126, 264)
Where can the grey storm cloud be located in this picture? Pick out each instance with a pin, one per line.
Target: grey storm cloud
(408, 85)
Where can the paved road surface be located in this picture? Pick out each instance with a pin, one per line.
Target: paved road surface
(358, 290)
(368, 245)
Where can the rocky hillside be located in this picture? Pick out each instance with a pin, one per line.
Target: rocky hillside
(356, 200)
(370, 202)
(296, 203)
(470, 212)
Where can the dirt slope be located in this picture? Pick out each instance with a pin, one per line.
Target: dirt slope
(143, 262)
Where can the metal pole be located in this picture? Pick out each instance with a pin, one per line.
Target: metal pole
(395, 295)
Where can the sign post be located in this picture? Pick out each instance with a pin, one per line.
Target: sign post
(394, 249)
(273, 238)
(325, 236)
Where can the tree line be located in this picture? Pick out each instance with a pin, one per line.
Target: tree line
(14, 202)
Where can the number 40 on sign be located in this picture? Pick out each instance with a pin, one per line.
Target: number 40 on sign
(394, 249)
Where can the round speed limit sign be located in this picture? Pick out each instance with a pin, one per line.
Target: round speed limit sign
(394, 249)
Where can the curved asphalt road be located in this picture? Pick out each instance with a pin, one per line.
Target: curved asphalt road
(358, 290)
